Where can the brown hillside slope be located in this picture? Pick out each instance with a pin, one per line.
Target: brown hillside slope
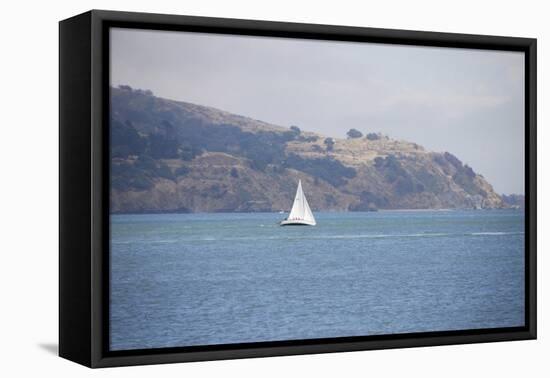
(176, 156)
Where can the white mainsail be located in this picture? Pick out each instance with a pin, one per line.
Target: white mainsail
(301, 212)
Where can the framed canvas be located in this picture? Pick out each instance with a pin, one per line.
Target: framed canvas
(235, 188)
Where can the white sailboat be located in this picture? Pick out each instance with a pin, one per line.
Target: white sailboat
(301, 214)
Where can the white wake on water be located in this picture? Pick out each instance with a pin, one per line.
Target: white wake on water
(316, 237)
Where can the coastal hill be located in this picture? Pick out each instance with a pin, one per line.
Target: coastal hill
(171, 156)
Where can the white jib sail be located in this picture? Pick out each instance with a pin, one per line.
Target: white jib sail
(300, 209)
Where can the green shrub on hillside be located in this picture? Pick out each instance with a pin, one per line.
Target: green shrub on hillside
(182, 171)
(394, 173)
(354, 133)
(330, 170)
(329, 142)
(373, 136)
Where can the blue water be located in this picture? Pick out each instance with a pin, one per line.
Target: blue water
(203, 279)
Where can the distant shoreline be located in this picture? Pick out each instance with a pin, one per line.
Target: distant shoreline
(315, 211)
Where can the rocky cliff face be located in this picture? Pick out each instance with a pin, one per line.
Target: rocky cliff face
(170, 156)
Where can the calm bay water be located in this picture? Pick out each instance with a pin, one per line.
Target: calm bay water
(202, 279)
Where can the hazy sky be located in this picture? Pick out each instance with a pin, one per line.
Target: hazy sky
(467, 102)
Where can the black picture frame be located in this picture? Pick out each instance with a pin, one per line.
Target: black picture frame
(84, 187)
